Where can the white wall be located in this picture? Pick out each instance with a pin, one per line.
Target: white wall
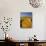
(12, 8)
(45, 26)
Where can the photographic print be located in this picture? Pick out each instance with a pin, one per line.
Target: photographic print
(26, 19)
